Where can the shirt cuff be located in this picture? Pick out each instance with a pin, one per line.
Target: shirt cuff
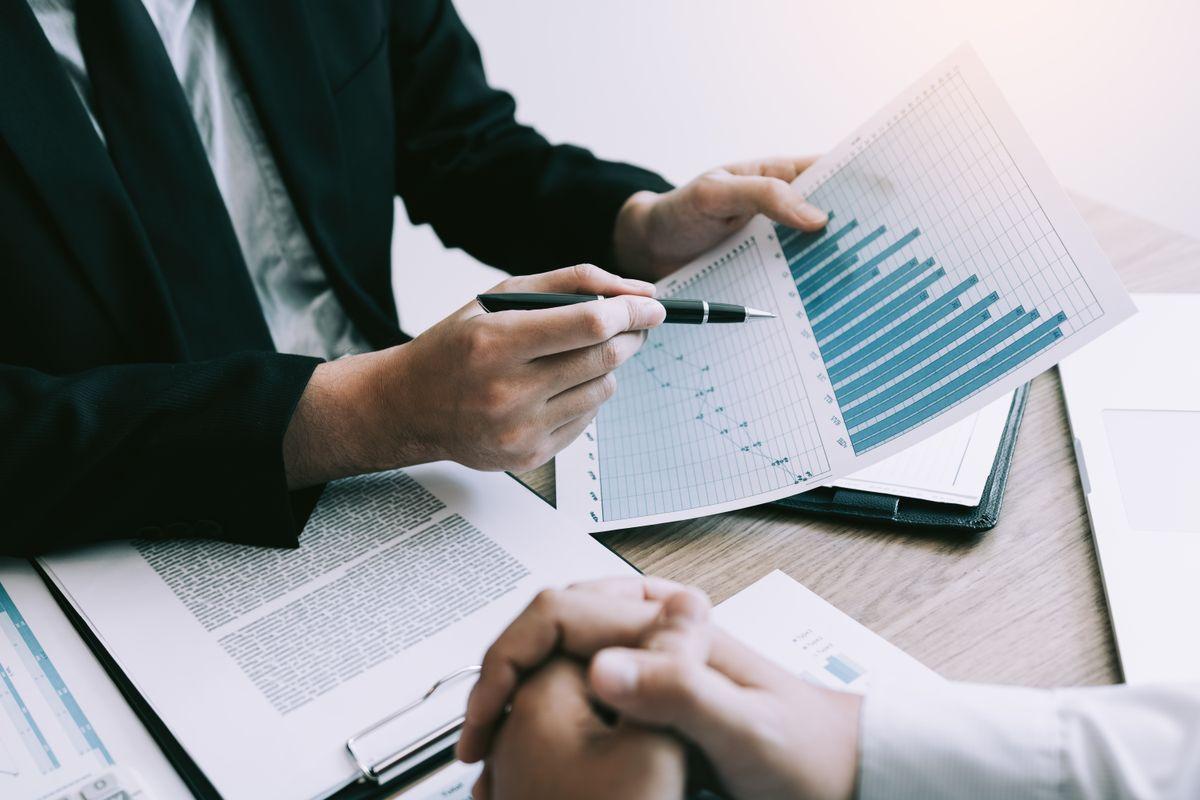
(949, 741)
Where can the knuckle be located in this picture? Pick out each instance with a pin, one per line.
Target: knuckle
(511, 440)
(632, 313)
(594, 322)
(586, 273)
(778, 193)
(606, 387)
(609, 355)
(493, 661)
(495, 401)
(708, 188)
(479, 342)
(546, 602)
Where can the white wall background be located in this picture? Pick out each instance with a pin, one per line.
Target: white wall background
(1110, 91)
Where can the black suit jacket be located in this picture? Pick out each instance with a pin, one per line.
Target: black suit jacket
(109, 428)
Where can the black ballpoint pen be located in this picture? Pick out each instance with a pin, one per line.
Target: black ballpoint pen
(695, 312)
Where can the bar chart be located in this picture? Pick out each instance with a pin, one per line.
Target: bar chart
(842, 668)
(900, 343)
(52, 703)
(953, 268)
(938, 273)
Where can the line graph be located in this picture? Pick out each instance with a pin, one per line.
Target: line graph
(688, 427)
(716, 418)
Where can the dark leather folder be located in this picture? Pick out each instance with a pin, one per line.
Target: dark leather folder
(910, 512)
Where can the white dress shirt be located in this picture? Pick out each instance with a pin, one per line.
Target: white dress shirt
(984, 742)
(301, 310)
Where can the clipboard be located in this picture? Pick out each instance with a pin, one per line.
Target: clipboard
(909, 512)
(378, 774)
(378, 777)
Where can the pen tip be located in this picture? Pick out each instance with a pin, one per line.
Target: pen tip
(755, 313)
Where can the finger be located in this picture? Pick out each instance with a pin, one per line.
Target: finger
(534, 334)
(746, 195)
(569, 432)
(742, 665)
(785, 168)
(483, 784)
(645, 587)
(566, 371)
(557, 695)
(582, 401)
(552, 711)
(573, 622)
(682, 626)
(666, 689)
(579, 279)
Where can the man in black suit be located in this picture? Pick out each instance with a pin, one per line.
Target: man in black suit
(195, 299)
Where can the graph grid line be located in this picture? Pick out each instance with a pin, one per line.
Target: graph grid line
(724, 436)
(939, 272)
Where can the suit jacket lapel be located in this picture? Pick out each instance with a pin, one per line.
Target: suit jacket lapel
(277, 57)
(46, 127)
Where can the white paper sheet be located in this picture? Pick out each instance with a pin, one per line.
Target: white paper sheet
(452, 782)
(953, 270)
(951, 466)
(62, 720)
(262, 662)
(796, 629)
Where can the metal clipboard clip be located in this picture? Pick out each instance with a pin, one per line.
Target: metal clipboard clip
(418, 749)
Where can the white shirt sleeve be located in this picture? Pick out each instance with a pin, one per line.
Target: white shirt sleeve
(947, 741)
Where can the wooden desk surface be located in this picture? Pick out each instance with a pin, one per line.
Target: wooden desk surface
(1020, 604)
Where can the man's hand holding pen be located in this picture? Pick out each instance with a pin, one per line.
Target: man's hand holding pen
(508, 390)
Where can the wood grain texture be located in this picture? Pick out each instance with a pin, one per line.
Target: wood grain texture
(1020, 604)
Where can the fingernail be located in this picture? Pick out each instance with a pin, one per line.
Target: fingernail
(614, 673)
(811, 214)
(644, 287)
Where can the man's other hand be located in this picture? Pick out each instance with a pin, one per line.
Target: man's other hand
(500, 391)
(554, 744)
(657, 233)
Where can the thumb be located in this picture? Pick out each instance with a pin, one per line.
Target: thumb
(665, 689)
(757, 194)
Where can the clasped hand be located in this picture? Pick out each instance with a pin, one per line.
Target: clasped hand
(606, 682)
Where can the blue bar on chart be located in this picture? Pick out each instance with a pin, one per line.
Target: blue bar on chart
(843, 669)
(899, 345)
(53, 688)
(25, 725)
(910, 330)
(915, 353)
(971, 381)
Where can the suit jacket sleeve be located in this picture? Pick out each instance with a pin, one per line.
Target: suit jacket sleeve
(149, 450)
(489, 185)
